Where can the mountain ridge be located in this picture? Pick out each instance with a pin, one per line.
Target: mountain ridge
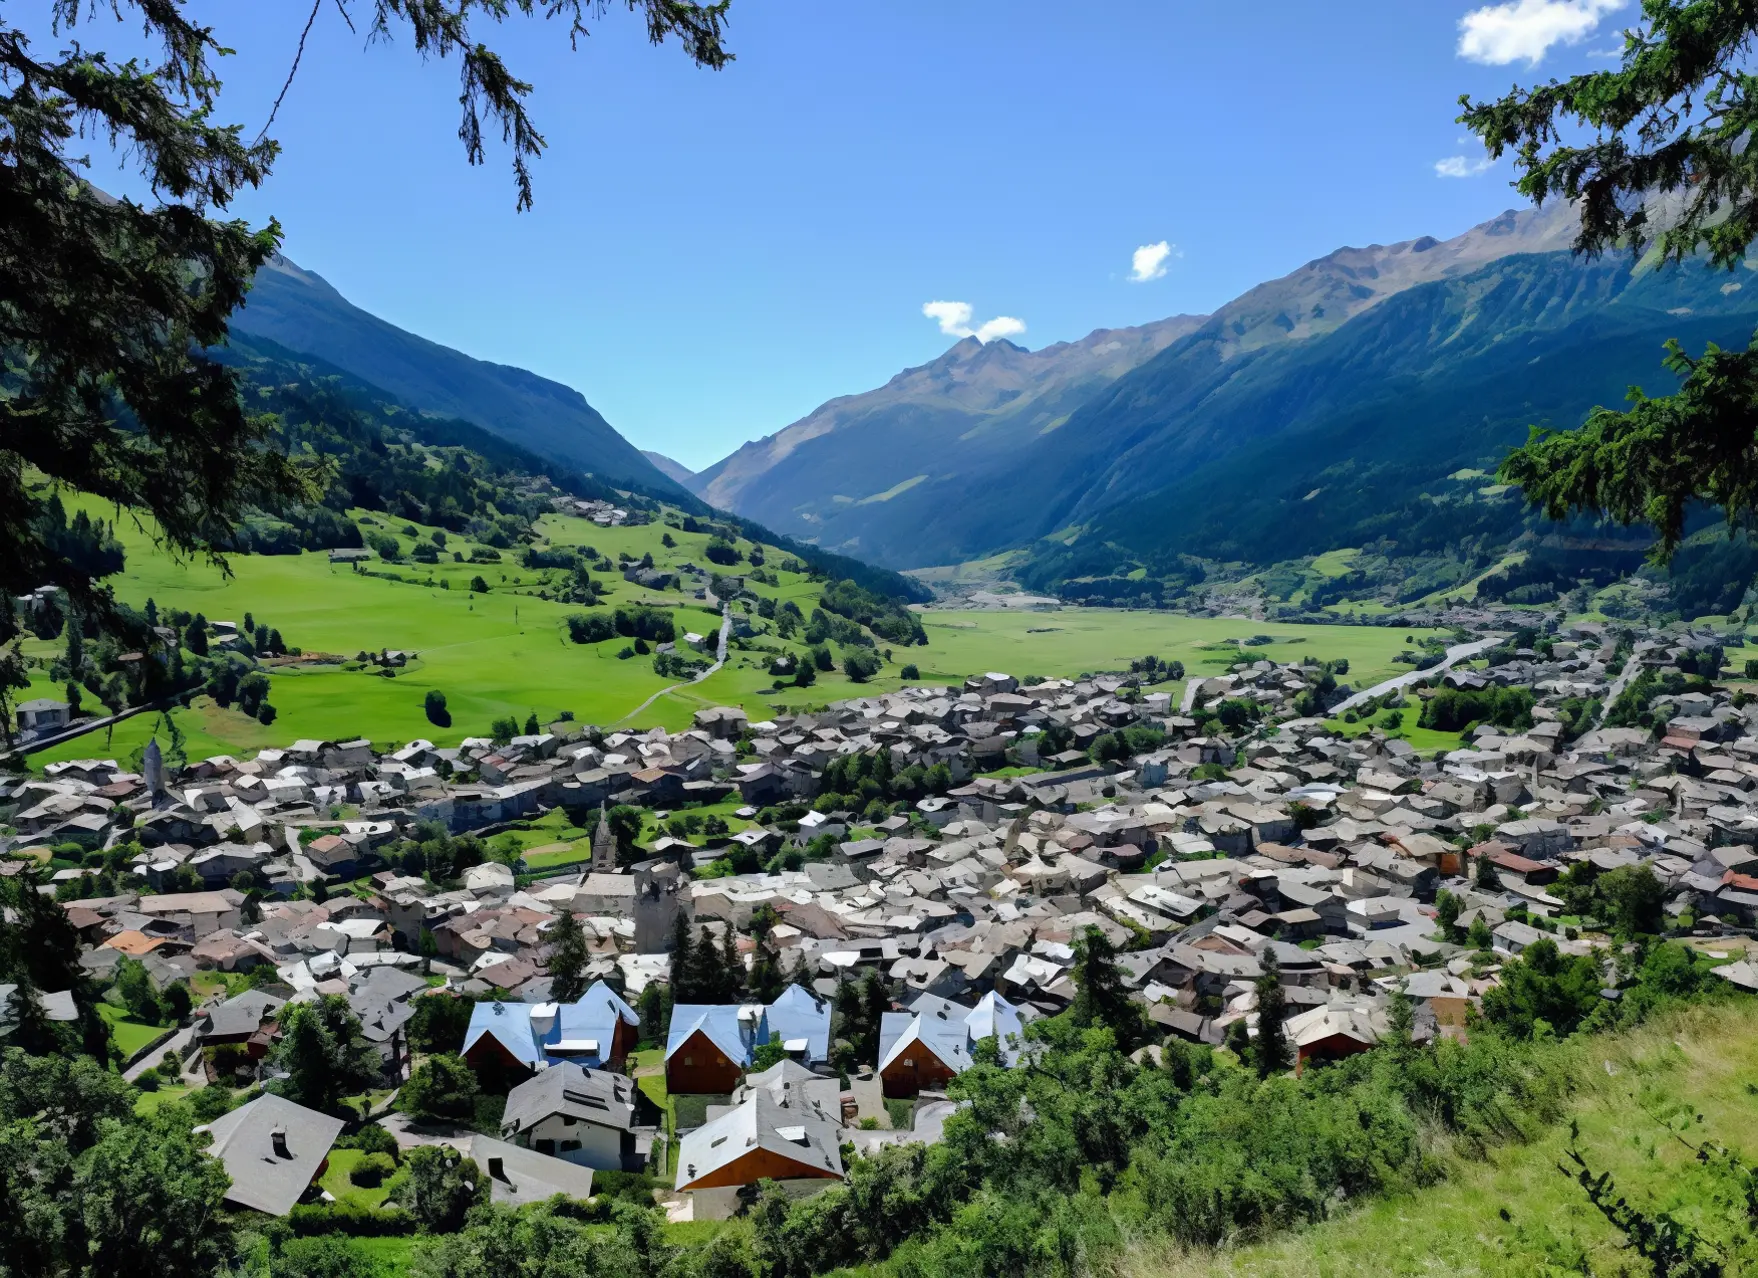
(303, 312)
(962, 418)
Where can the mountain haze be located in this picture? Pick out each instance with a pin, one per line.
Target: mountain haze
(1007, 423)
(673, 470)
(301, 311)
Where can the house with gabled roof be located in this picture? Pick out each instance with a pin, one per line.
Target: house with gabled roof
(597, 1032)
(274, 1150)
(800, 1021)
(932, 1043)
(788, 1141)
(709, 1047)
(583, 1116)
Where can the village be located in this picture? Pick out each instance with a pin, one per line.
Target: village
(910, 884)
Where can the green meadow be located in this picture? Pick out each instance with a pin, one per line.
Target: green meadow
(507, 652)
(1646, 1099)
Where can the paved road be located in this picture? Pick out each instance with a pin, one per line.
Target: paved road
(719, 661)
(1457, 653)
(178, 1042)
(1631, 669)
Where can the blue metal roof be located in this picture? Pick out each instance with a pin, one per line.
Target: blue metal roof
(719, 1021)
(509, 1024)
(799, 1013)
(592, 1019)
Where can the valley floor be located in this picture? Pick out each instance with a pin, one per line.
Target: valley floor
(507, 652)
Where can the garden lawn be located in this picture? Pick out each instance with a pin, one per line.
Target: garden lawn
(1424, 740)
(335, 1180)
(129, 1035)
(148, 1102)
(392, 1254)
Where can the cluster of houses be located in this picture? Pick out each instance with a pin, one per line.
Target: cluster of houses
(1202, 858)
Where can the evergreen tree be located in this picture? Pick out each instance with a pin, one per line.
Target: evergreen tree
(1487, 879)
(732, 967)
(1447, 909)
(1400, 1020)
(567, 959)
(1479, 937)
(1272, 1054)
(767, 981)
(1655, 155)
(1100, 997)
(532, 727)
(708, 979)
(683, 962)
(75, 648)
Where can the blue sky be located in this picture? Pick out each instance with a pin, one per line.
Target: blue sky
(712, 255)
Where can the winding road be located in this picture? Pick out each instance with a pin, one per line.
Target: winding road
(1631, 669)
(1457, 653)
(719, 661)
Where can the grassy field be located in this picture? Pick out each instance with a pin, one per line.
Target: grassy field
(149, 1102)
(335, 1180)
(1514, 1213)
(1423, 739)
(507, 651)
(129, 1035)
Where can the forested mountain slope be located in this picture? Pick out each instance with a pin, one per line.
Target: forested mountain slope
(298, 309)
(1349, 439)
(931, 467)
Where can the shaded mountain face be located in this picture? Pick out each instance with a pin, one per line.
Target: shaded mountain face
(1380, 433)
(672, 470)
(300, 311)
(973, 452)
(975, 401)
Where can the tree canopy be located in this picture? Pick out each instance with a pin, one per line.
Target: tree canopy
(108, 308)
(1654, 155)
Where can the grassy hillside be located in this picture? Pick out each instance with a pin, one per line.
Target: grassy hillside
(508, 651)
(1644, 1095)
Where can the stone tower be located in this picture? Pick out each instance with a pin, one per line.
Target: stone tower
(153, 769)
(604, 846)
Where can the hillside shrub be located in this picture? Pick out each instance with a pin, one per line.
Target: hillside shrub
(434, 704)
(643, 622)
(311, 1219)
(861, 665)
(591, 627)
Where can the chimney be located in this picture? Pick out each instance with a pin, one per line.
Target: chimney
(496, 1170)
(278, 1138)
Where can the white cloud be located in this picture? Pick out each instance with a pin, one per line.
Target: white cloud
(1149, 261)
(1457, 166)
(1498, 34)
(954, 319)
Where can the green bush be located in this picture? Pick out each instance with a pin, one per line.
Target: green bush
(324, 1256)
(372, 1170)
(309, 1219)
(371, 1138)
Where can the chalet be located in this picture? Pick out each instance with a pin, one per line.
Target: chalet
(1330, 1032)
(520, 1177)
(793, 1143)
(274, 1151)
(709, 1047)
(582, 1116)
(42, 715)
(931, 1044)
(598, 1031)
(800, 1021)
